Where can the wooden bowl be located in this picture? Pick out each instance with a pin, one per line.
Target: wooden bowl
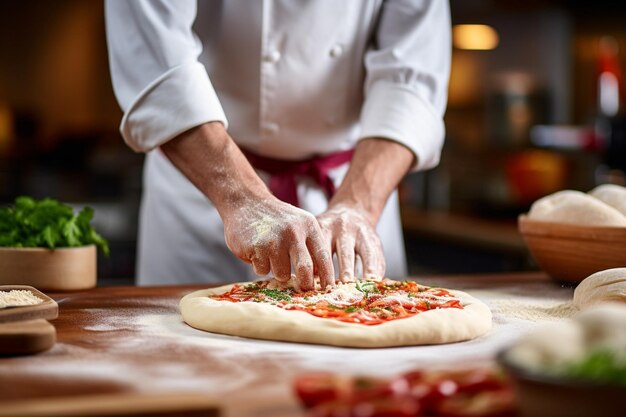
(62, 269)
(570, 252)
(541, 395)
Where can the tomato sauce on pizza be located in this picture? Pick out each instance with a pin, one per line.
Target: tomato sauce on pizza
(367, 302)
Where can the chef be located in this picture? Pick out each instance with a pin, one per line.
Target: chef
(276, 131)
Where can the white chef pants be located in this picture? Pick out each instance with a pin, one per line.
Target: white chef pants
(181, 236)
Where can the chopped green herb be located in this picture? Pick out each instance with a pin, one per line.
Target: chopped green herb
(601, 366)
(352, 309)
(275, 294)
(366, 287)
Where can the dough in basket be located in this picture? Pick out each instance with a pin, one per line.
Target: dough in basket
(575, 207)
(611, 194)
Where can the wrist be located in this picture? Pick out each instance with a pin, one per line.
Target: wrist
(213, 162)
(368, 211)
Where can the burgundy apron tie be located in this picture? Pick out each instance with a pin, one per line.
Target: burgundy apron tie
(283, 172)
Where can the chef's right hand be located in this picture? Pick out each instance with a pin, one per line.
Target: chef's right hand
(273, 235)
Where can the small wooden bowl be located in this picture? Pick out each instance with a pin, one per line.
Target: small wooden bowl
(569, 252)
(540, 395)
(62, 269)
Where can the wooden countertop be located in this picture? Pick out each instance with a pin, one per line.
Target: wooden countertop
(130, 339)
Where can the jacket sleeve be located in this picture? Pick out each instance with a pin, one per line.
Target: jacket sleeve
(158, 81)
(407, 73)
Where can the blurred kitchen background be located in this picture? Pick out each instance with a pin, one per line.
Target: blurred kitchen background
(535, 105)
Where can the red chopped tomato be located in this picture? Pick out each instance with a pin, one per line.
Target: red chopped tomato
(314, 389)
(479, 380)
(467, 393)
(368, 388)
(432, 389)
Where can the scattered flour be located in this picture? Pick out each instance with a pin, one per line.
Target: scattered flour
(532, 310)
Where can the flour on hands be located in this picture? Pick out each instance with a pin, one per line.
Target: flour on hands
(273, 235)
(350, 233)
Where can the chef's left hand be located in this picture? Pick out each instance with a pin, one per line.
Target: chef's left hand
(350, 233)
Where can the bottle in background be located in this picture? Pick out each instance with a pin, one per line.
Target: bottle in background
(610, 121)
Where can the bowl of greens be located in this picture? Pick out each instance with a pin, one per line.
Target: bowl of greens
(44, 243)
(572, 368)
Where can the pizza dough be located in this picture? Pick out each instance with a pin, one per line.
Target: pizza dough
(603, 286)
(613, 195)
(577, 208)
(265, 321)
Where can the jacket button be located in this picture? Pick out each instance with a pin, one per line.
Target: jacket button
(272, 57)
(270, 129)
(336, 50)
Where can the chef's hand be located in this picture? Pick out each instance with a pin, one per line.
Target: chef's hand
(273, 236)
(259, 229)
(350, 233)
(349, 223)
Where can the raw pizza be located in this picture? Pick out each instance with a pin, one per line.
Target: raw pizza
(365, 313)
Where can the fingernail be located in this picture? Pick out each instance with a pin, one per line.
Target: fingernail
(371, 275)
(348, 278)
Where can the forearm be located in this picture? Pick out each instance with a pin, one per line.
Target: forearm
(211, 160)
(377, 167)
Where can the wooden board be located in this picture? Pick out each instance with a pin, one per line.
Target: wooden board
(48, 309)
(118, 405)
(26, 337)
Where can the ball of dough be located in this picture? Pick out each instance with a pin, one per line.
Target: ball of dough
(577, 208)
(550, 346)
(603, 286)
(613, 195)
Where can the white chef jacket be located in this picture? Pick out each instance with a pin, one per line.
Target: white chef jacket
(290, 80)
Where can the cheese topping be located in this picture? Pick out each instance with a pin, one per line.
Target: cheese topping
(367, 302)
